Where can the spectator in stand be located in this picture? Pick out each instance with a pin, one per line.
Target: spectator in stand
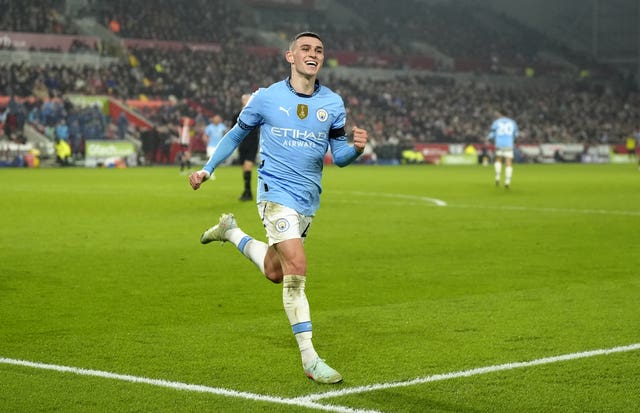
(63, 152)
(123, 125)
(10, 123)
(18, 115)
(62, 130)
(77, 147)
(637, 136)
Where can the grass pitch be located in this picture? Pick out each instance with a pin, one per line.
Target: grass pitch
(102, 269)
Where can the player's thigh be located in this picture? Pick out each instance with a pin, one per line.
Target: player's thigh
(286, 231)
(283, 223)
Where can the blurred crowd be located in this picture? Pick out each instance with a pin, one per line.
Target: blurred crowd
(432, 109)
(461, 29)
(194, 21)
(424, 108)
(57, 119)
(411, 108)
(32, 16)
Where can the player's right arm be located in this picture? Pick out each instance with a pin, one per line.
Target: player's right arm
(492, 132)
(229, 141)
(225, 148)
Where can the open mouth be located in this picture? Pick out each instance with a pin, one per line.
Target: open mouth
(311, 63)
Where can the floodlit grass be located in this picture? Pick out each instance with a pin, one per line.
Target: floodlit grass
(102, 269)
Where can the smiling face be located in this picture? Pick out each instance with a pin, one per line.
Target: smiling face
(306, 55)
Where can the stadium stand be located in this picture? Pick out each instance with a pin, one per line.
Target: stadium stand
(35, 16)
(199, 20)
(204, 69)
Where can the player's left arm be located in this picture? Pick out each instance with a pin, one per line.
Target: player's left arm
(343, 153)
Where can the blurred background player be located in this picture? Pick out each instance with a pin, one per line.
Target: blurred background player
(247, 152)
(637, 135)
(185, 139)
(214, 131)
(504, 132)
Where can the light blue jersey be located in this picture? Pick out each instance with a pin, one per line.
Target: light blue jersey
(504, 132)
(215, 133)
(295, 132)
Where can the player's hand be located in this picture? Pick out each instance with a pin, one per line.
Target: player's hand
(360, 138)
(196, 179)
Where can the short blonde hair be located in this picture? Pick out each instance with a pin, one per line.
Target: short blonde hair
(303, 34)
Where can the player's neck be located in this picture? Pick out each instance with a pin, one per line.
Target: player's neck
(303, 84)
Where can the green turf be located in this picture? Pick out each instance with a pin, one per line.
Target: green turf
(102, 269)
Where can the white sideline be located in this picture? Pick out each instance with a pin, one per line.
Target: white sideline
(310, 400)
(185, 386)
(550, 209)
(419, 200)
(469, 373)
(435, 201)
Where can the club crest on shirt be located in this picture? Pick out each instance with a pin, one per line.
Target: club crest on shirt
(282, 225)
(322, 115)
(302, 111)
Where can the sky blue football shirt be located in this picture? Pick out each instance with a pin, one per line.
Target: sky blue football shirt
(295, 132)
(504, 132)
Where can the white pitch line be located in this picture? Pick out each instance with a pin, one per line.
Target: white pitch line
(435, 201)
(186, 387)
(549, 209)
(468, 373)
(310, 400)
(439, 202)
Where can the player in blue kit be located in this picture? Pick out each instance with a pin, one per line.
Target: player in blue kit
(299, 120)
(504, 132)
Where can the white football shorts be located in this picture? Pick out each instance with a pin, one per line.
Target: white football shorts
(504, 152)
(283, 223)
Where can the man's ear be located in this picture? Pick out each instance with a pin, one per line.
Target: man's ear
(289, 56)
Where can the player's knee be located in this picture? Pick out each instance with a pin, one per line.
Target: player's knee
(275, 278)
(297, 267)
(273, 269)
(275, 272)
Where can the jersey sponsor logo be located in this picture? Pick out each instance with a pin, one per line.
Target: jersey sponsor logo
(299, 134)
(298, 144)
(302, 111)
(322, 115)
(284, 110)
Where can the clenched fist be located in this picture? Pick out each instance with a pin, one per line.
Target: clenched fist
(197, 178)
(360, 138)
